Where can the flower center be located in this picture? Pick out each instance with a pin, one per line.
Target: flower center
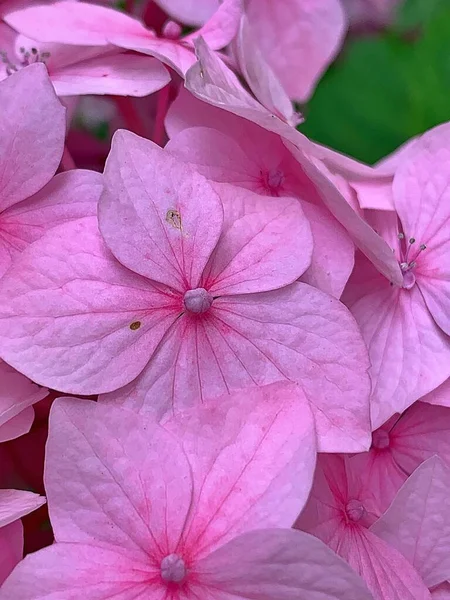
(272, 181)
(173, 569)
(25, 58)
(171, 30)
(197, 301)
(354, 510)
(409, 252)
(380, 439)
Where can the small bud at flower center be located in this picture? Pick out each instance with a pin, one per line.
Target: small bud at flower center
(355, 510)
(380, 439)
(173, 568)
(197, 301)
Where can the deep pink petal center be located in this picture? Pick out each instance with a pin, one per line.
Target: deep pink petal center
(273, 181)
(380, 439)
(355, 510)
(197, 301)
(173, 569)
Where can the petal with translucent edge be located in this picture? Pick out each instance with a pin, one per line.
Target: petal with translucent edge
(261, 251)
(158, 216)
(298, 36)
(11, 548)
(256, 465)
(409, 354)
(15, 504)
(260, 77)
(74, 317)
(122, 74)
(418, 434)
(282, 564)
(297, 333)
(17, 394)
(68, 196)
(32, 131)
(417, 523)
(72, 570)
(115, 480)
(222, 27)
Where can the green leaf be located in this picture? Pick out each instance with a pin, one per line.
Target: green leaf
(382, 91)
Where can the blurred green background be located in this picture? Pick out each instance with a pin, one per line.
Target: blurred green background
(387, 86)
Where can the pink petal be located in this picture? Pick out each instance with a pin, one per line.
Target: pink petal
(68, 196)
(115, 481)
(71, 571)
(158, 216)
(417, 523)
(73, 23)
(73, 316)
(17, 394)
(298, 36)
(122, 74)
(297, 333)
(15, 504)
(262, 80)
(422, 198)
(367, 240)
(32, 130)
(421, 432)
(221, 28)
(256, 465)
(409, 353)
(281, 564)
(375, 194)
(261, 251)
(11, 548)
(440, 396)
(191, 12)
(441, 592)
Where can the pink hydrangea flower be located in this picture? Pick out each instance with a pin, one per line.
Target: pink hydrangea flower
(14, 504)
(32, 131)
(179, 309)
(83, 24)
(406, 327)
(343, 511)
(77, 70)
(139, 512)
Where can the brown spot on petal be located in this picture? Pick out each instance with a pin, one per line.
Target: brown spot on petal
(173, 217)
(135, 325)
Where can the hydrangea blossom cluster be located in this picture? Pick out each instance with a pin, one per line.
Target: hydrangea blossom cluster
(224, 348)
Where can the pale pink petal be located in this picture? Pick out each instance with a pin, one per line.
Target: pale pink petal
(261, 251)
(74, 571)
(440, 396)
(387, 574)
(32, 131)
(297, 333)
(68, 196)
(17, 393)
(281, 564)
(18, 425)
(375, 194)
(422, 200)
(408, 352)
(11, 548)
(221, 28)
(421, 432)
(72, 316)
(74, 23)
(298, 37)
(115, 480)
(122, 74)
(191, 12)
(256, 465)
(260, 77)
(417, 523)
(15, 504)
(158, 216)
